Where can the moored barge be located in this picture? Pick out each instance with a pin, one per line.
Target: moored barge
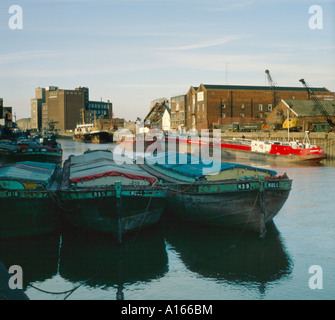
(218, 193)
(45, 149)
(27, 194)
(100, 195)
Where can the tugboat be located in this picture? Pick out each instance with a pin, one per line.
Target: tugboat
(81, 130)
(91, 133)
(98, 136)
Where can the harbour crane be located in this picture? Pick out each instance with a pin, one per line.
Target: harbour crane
(273, 86)
(271, 82)
(318, 104)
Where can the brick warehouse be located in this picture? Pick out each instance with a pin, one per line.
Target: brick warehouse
(209, 106)
(304, 114)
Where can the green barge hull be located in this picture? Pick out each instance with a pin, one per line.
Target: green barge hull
(114, 211)
(221, 194)
(26, 213)
(28, 199)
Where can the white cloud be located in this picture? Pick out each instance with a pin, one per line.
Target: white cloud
(205, 44)
(27, 55)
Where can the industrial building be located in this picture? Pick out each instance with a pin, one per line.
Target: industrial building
(62, 110)
(213, 106)
(302, 115)
(6, 115)
(36, 109)
(159, 116)
(178, 112)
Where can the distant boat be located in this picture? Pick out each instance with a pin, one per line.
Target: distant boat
(41, 149)
(81, 130)
(103, 196)
(91, 134)
(226, 194)
(26, 199)
(98, 136)
(274, 151)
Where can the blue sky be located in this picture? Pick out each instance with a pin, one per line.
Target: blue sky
(134, 51)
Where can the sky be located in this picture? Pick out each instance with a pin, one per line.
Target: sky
(132, 52)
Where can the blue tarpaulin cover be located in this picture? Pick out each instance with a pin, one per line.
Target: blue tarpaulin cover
(194, 166)
(33, 172)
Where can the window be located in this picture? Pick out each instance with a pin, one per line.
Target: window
(242, 115)
(242, 106)
(270, 107)
(223, 106)
(260, 107)
(203, 107)
(223, 115)
(198, 108)
(200, 96)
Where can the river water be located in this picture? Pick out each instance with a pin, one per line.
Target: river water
(178, 261)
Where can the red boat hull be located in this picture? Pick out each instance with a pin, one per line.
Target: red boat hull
(241, 150)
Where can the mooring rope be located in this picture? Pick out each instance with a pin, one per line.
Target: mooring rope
(71, 291)
(145, 214)
(57, 201)
(168, 191)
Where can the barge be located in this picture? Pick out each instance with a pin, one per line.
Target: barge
(100, 195)
(219, 193)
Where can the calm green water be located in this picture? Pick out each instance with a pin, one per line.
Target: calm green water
(180, 261)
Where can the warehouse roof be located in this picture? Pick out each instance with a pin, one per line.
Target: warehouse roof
(263, 88)
(305, 108)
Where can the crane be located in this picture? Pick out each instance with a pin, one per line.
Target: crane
(287, 123)
(273, 86)
(271, 82)
(318, 104)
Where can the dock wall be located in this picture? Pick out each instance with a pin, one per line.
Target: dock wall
(322, 139)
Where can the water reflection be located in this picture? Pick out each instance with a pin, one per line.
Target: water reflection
(230, 256)
(37, 256)
(214, 254)
(98, 262)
